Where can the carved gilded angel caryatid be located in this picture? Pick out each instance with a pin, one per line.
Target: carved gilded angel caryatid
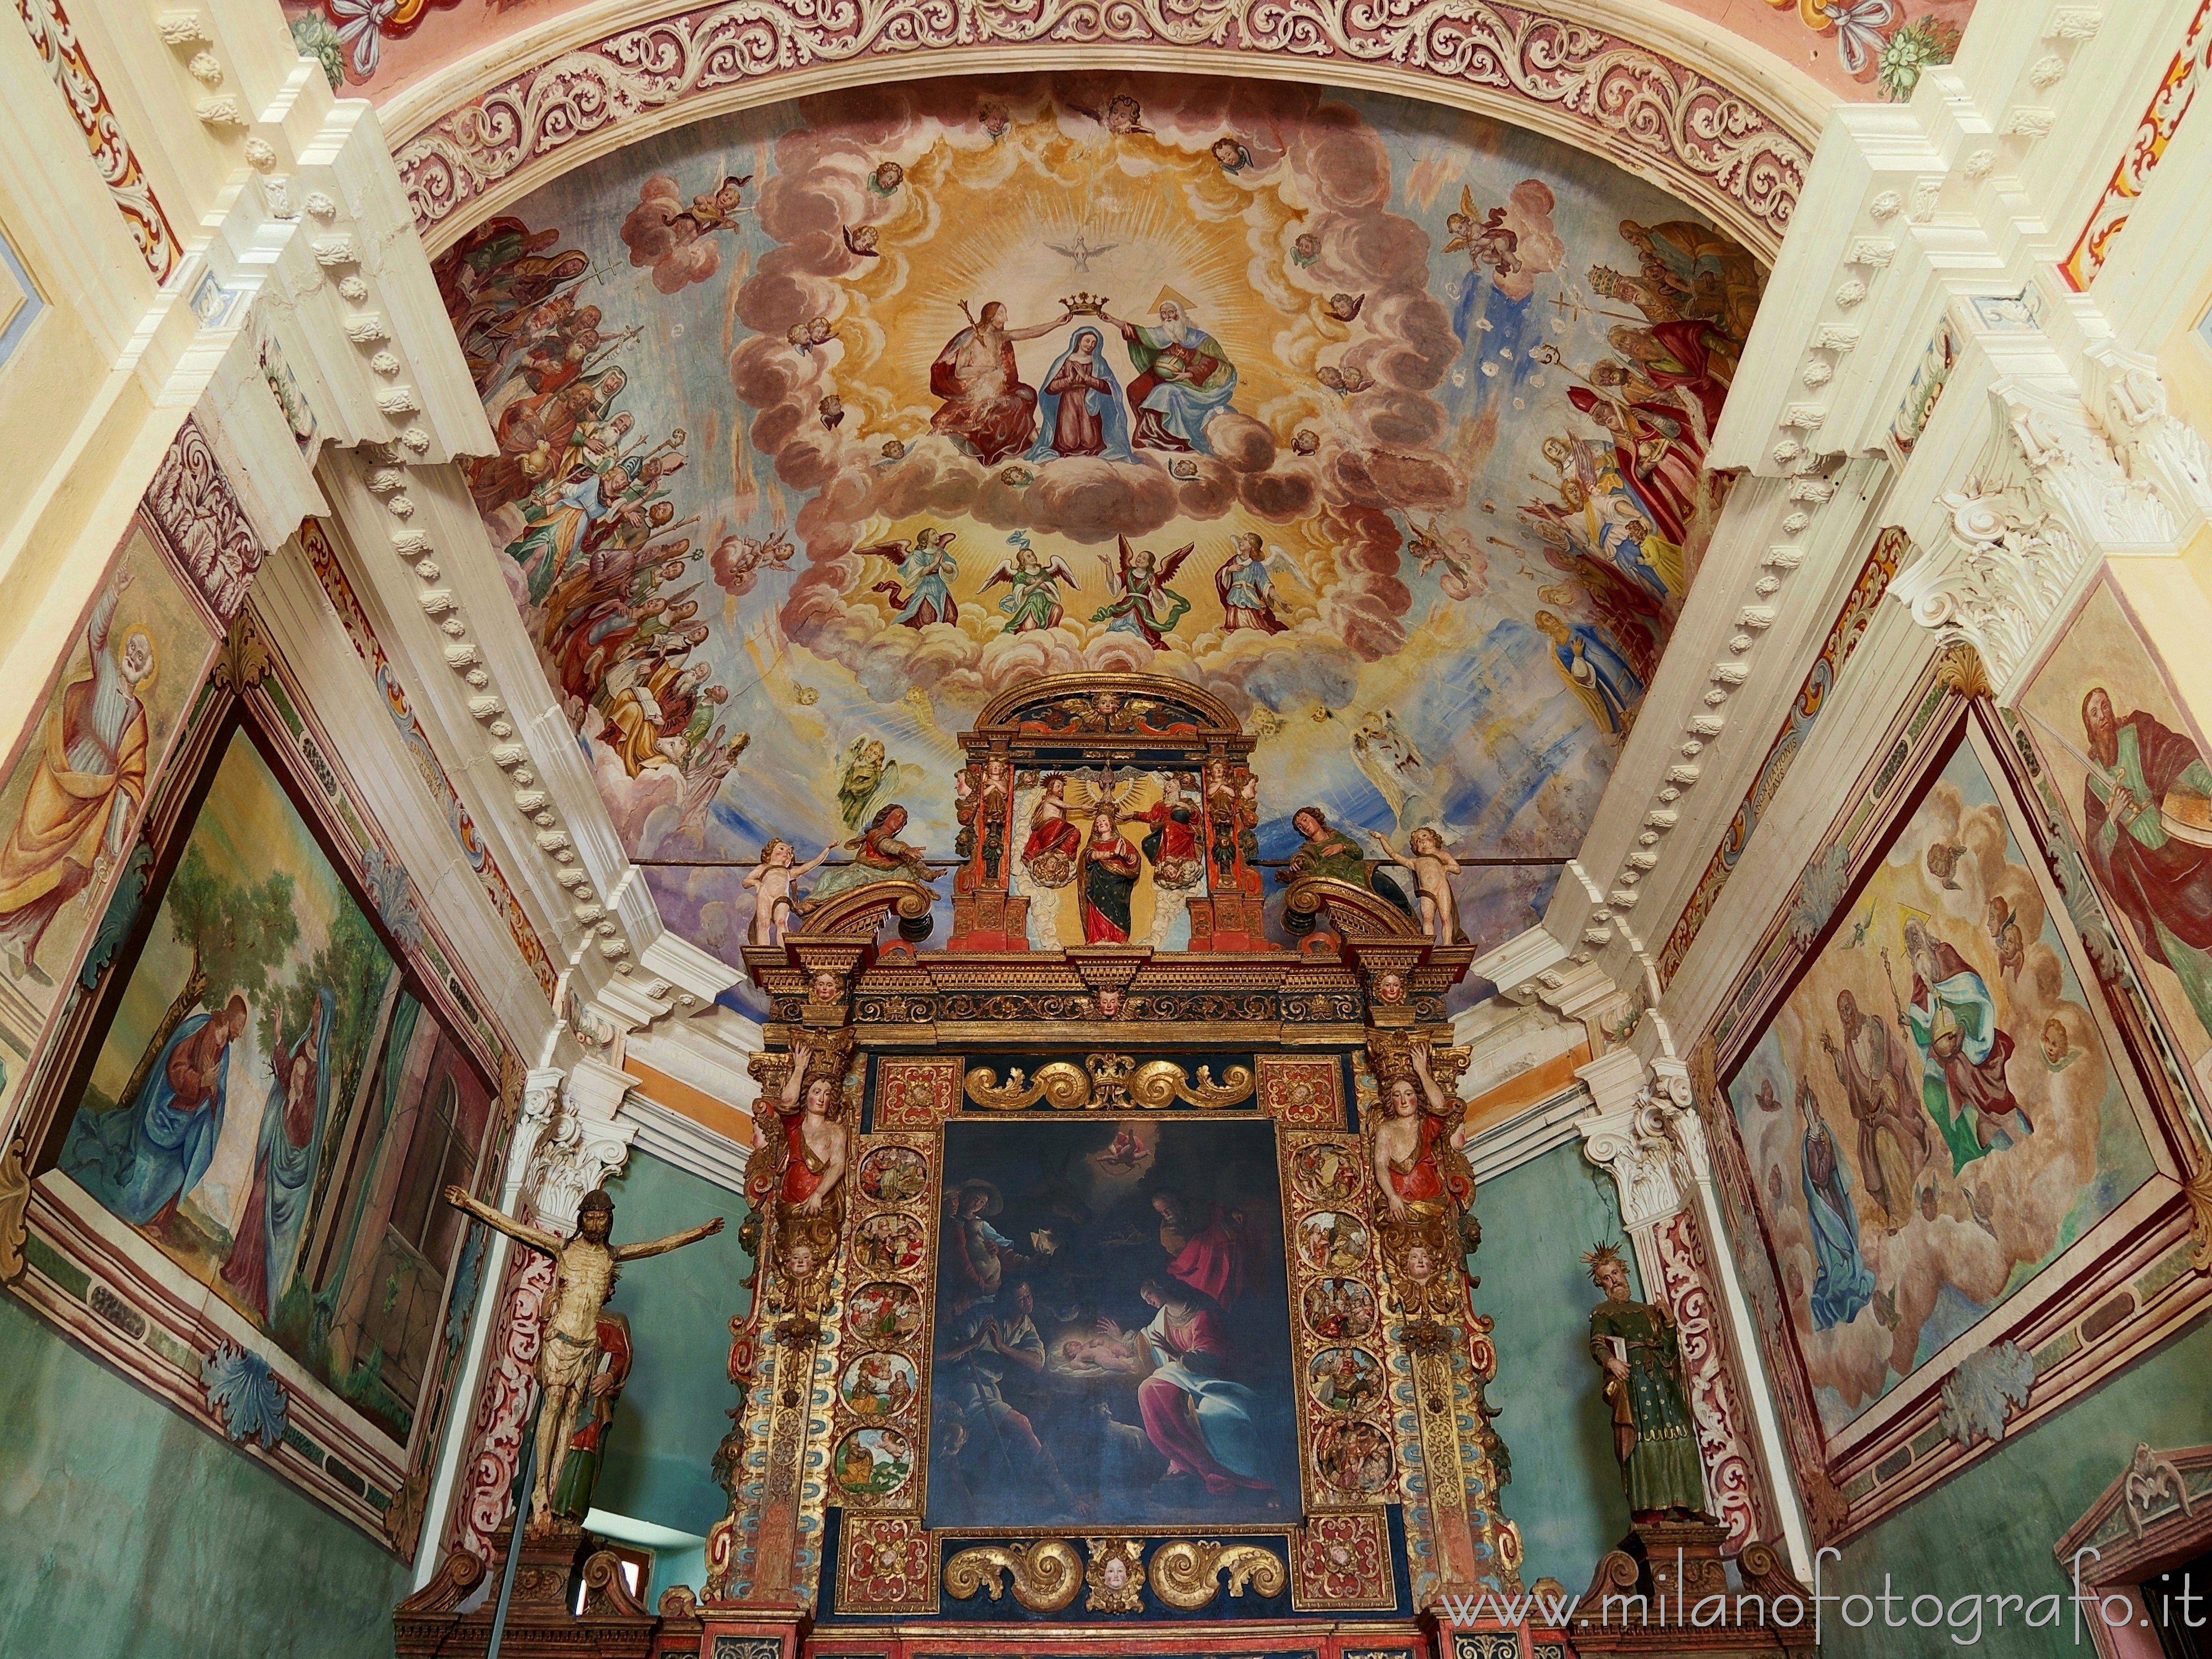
(1425, 1189)
(802, 1149)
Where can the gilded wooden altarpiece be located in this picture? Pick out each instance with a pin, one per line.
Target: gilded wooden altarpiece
(1259, 1077)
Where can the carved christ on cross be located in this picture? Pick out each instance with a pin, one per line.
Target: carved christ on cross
(568, 1353)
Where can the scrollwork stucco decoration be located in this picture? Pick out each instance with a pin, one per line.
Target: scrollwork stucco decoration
(1046, 1574)
(1187, 1574)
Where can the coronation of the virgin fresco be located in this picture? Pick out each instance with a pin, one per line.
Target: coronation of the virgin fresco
(821, 424)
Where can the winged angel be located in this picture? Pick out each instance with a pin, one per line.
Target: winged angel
(1143, 603)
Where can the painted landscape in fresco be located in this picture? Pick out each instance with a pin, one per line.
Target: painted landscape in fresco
(1932, 1115)
(272, 1111)
(2102, 718)
(1112, 1341)
(818, 425)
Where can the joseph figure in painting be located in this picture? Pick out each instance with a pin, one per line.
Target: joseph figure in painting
(2155, 869)
(1653, 1436)
(585, 1269)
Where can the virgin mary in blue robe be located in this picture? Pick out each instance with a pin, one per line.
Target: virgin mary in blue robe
(1843, 1283)
(1080, 408)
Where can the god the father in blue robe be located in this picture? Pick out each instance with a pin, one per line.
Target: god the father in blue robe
(1183, 378)
(140, 1158)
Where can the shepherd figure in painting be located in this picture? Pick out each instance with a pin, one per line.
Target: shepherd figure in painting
(2147, 821)
(987, 410)
(1653, 1436)
(86, 786)
(1184, 379)
(284, 1160)
(584, 1278)
(1843, 1283)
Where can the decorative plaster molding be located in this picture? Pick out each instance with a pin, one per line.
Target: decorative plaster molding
(2146, 147)
(192, 505)
(690, 1146)
(1722, 147)
(55, 39)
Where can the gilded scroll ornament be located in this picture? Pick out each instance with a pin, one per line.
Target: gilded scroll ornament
(1064, 1086)
(1109, 1082)
(1159, 1083)
(1185, 1574)
(1046, 1574)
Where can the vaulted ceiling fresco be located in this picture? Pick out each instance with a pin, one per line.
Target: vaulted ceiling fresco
(1862, 49)
(821, 424)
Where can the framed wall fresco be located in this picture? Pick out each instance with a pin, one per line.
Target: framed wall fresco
(2099, 714)
(76, 788)
(1953, 1158)
(248, 1104)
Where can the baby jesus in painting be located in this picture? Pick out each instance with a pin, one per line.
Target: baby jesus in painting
(775, 878)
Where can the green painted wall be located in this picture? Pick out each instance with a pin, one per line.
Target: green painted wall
(126, 1530)
(673, 1412)
(1990, 1529)
(1537, 1220)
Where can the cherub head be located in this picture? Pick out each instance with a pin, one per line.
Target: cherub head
(1109, 1001)
(2055, 1040)
(824, 985)
(1427, 843)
